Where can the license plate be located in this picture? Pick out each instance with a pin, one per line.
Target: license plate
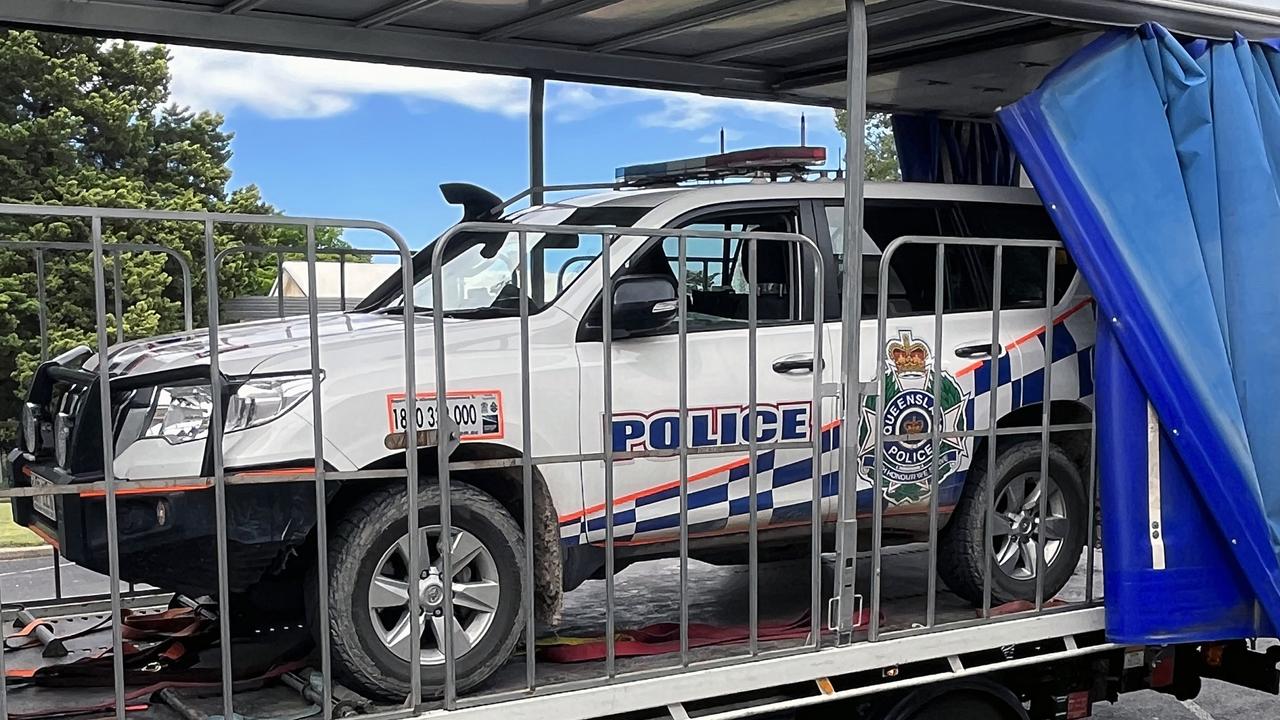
(44, 504)
(476, 414)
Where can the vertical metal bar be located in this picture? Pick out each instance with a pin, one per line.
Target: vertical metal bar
(877, 434)
(411, 464)
(526, 466)
(321, 496)
(108, 462)
(118, 292)
(342, 281)
(537, 179)
(997, 347)
(41, 307)
(939, 272)
(682, 342)
(280, 283)
(57, 574)
(1045, 421)
(443, 442)
(186, 293)
(606, 440)
(851, 315)
(753, 489)
(815, 434)
(219, 476)
(1093, 496)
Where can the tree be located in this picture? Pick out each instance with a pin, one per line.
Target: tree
(882, 153)
(88, 122)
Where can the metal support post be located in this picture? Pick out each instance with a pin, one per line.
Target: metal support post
(850, 318)
(537, 178)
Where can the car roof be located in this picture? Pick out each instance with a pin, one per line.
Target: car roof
(713, 194)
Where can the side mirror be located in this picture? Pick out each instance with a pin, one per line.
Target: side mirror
(642, 303)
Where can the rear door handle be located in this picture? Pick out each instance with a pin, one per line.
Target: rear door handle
(982, 350)
(796, 364)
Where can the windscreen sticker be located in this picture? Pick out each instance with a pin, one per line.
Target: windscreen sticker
(476, 413)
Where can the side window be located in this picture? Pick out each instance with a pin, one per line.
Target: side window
(911, 281)
(1023, 281)
(716, 269)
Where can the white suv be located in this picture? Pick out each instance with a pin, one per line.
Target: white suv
(162, 426)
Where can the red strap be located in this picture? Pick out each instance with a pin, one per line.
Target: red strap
(663, 638)
(27, 633)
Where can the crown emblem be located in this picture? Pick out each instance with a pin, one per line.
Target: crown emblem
(908, 355)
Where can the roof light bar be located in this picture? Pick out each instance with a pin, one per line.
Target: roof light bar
(737, 163)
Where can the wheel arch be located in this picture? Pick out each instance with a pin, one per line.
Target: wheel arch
(504, 482)
(1061, 412)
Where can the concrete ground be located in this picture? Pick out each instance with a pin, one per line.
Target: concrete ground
(30, 579)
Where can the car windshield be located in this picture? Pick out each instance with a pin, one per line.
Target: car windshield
(481, 272)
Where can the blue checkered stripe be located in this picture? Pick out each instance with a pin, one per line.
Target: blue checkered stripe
(784, 477)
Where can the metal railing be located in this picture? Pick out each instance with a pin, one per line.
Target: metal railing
(619, 245)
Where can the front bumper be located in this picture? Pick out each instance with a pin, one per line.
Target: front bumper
(167, 536)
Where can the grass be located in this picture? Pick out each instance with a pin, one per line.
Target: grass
(14, 536)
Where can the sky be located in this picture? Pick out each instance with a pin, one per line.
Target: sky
(360, 140)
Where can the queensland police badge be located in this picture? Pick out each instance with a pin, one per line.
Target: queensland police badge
(908, 391)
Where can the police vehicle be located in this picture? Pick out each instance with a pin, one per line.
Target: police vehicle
(163, 412)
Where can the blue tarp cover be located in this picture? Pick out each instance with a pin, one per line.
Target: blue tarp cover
(933, 149)
(1160, 161)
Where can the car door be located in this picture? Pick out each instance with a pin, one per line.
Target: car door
(905, 355)
(645, 373)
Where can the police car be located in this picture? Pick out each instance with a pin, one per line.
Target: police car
(163, 411)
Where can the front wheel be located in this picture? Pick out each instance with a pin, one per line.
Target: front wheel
(370, 581)
(1018, 528)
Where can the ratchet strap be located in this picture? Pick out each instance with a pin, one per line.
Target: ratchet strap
(663, 638)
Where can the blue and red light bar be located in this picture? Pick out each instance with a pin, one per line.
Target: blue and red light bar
(737, 163)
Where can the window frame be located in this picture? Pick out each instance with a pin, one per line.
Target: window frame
(802, 300)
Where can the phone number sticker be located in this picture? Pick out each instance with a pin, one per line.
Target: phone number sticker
(476, 413)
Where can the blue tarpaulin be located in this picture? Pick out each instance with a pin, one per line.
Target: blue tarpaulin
(1160, 162)
(933, 149)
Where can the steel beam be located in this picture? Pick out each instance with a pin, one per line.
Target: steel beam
(394, 12)
(677, 26)
(237, 6)
(895, 13)
(258, 32)
(542, 17)
(1219, 19)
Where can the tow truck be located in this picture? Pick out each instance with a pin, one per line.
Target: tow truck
(1186, 521)
(162, 426)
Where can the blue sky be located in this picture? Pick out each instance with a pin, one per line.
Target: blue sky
(327, 137)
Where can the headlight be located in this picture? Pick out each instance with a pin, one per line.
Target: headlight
(182, 413)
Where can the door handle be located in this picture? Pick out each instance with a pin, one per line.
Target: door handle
(796, 364)
(982, 350)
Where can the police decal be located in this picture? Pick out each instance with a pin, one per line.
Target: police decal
(908, 389)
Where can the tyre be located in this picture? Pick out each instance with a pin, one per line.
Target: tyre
(369, 579)
(1017, 529)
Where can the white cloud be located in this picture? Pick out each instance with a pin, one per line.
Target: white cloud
(282, 86)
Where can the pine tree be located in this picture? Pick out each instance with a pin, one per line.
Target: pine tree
(85, 121)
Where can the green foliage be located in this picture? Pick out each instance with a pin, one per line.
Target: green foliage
(882, 153)
(88, 122)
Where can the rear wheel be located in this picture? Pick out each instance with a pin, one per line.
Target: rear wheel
(1018, 528)
(371, 582)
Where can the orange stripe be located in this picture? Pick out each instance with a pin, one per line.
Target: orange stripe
(1030, 336)
(144, 491)
(43, 535)
(669, 485)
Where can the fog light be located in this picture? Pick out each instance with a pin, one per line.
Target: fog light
(162, 513)
(62, 425)
(31, 427)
